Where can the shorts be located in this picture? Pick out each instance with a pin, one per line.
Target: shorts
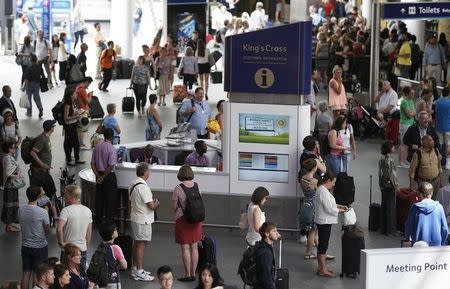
(403, 129)
(141, 232)
(444, 137)
(32, 257)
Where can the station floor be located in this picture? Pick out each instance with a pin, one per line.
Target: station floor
(163, 250)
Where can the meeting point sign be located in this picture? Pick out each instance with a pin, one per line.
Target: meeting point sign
(406, 268)
(275, 60)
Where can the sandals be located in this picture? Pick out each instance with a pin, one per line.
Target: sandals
(309, 256)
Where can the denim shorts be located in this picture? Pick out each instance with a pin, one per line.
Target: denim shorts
(32, 257)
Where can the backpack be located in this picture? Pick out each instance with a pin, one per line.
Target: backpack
(194, 212)
(25, 149)
(247, 266)
(58, 112)
(419, 159)
(180, 118)
(98, 267)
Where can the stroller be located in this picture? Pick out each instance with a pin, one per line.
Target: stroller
(58, 201)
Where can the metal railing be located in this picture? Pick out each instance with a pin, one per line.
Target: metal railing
(414, 84)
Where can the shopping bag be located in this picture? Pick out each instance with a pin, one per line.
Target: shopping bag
(349, 217)
(24, 102)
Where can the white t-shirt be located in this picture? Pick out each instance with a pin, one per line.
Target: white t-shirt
(41, 50)
(345, 133)
(139, 197)
(258, 19)
(78, 218)
(62, 54)
(388, 98)
(230, 4)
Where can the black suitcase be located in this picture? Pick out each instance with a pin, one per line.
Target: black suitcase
(124, 68)
(344, 190)
(96, 109)
(374, 212)
(128, 101)
(125, 242)
(352, 244)
(282, 275)
(207, 250)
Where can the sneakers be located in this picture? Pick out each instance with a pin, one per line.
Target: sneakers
(404, 166)
(141, 275)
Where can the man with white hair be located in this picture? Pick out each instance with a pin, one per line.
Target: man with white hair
(258, 18)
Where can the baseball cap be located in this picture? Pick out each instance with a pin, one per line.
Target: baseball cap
(49, 124)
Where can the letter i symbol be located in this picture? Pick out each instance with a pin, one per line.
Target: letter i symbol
(264, 78)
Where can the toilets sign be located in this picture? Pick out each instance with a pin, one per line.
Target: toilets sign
(275, 60)
(405, 268)
(424, 10)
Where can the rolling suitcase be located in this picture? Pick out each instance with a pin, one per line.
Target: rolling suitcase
(282, 275)
(96, 110)
(344, 190)
(124, 67)
(207, 250)
(352, 244)
(374, 212)
(404, 200)
(128, 101)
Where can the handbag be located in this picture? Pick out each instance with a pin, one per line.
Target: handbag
(349, 217)
(243, 221)
(100, 128)
(24, 102)
(211, 60)
(23, 60)
(18, 183)
(43, 83)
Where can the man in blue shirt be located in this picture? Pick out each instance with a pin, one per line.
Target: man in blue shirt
(442, 108)
(433, 58)
(197, 113)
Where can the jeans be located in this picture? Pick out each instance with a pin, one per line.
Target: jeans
(78, 35)
(62, 70)
(46, 65)
(107, 76)
(71, 142)
(334, 163)
(140, 92)
(106, 199)
(346, 158)
(33, 90)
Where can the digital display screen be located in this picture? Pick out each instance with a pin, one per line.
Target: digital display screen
(262, 167)
(264, 128)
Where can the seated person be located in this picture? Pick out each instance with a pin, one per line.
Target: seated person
(387, 102)
(426, 220)
(413, 135)
(198, 158)
(144, 155)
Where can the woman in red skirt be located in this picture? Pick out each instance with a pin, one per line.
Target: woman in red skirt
(186, 234)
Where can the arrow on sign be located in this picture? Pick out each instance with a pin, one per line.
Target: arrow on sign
(403, 10)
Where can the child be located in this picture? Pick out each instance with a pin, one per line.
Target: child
(165, 277)
(45, 203)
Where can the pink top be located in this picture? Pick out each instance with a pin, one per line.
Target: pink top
(117, 252)
(179, 195)
(335, 99)
(339, 142)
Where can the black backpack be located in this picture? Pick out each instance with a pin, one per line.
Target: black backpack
(25, 149)
(344, 190)
(98, 267)
(181, 118)
(247, 266)
(58, 112)
(194, 212)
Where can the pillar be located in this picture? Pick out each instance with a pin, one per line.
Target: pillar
(366, 10)
(299, 11)
(122, 25)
